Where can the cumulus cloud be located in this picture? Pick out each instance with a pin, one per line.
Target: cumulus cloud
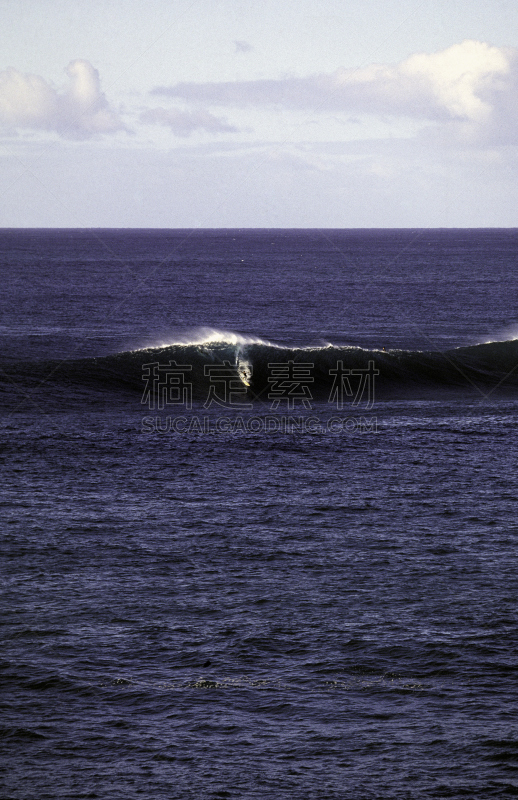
(81, 110)
(471, 82)
(183, 123)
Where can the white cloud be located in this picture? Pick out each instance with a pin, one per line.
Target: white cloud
(471, 84)
(444, 85)
(183, 123)
(28, 101)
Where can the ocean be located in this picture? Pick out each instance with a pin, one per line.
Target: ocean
(259, 525)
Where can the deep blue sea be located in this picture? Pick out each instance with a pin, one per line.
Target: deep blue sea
(259, 514)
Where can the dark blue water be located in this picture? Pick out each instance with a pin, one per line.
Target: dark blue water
(270, 593)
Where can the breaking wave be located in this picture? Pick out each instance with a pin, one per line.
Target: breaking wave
(492, 366)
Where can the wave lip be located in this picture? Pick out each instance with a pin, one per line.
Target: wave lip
(207, 336)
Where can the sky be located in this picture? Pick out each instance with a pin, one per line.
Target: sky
(240, 114)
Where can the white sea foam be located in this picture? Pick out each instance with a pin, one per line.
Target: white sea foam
(205, 336)
(216, 336)
(508, 334)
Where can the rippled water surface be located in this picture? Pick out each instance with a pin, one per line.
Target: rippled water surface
(326, 609)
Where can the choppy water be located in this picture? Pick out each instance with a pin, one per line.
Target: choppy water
(213, 599)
